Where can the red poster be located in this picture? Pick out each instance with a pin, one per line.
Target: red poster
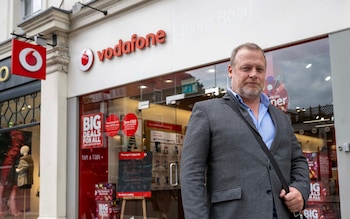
(130, 124)
(318, 191)
(92, 133)
(28, 60)
(325, 165)
(322, 210)
(112, 125)
(277, 92)
(274, 86)
(313, 212)
(313, 162)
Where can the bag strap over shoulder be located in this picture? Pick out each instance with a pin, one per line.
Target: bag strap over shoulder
(268, 153)
(262, 145)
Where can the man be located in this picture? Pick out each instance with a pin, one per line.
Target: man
(224, 172)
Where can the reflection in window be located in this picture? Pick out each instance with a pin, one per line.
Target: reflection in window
(299, 82)
(304, 71)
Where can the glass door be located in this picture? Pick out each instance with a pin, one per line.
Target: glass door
(163, 129)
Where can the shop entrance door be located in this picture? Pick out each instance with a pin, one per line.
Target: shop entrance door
(164, 127)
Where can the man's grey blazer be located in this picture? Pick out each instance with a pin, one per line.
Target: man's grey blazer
(224, 172)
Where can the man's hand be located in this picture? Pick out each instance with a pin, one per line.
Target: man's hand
(293, 200)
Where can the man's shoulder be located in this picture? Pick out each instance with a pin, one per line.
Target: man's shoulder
(277, 112)
(209, 102)
(275, 109)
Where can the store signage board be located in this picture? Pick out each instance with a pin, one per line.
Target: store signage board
(172, 99)
(189, 88)
(189, 85)
(122, 47)
(143, 105)
(130, 46)
(4, 73)
(28, 60)
(135, 174)
(215, 91)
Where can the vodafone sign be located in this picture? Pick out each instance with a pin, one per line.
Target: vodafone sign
(28, 60)
(86, 60)
(122, 47)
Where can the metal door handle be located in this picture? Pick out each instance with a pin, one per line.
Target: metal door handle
(173, 167)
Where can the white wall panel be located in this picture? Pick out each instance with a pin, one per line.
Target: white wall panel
(198, 32)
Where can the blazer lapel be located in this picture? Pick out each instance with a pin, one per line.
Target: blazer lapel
(277, 139)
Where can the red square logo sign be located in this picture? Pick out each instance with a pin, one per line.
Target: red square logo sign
(28, 60)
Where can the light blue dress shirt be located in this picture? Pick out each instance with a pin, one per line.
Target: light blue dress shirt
(264, 123)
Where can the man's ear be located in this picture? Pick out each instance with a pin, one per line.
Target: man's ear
(229, 70)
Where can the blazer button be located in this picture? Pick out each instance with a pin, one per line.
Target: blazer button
(268, 191)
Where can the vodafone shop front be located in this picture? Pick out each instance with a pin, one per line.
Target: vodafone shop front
(131, 92)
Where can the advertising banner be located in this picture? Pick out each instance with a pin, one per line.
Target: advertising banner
(130, 124)
(112, 125)
(92, 130)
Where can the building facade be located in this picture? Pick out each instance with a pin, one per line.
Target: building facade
(121, 79)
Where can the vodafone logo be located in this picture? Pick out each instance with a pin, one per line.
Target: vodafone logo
(30, 59)
(130, 46)
(86, 59)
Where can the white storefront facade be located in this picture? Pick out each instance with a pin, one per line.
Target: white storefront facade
(141, 42)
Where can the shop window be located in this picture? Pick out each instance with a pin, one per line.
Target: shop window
(298, 82)
(20, 156)
(19, 172)
(20, 111)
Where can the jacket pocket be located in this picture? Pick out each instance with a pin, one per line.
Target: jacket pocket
(226, 195)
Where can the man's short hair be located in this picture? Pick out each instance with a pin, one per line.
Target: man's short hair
(249, 46)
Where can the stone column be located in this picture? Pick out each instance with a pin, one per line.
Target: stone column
(53, 121)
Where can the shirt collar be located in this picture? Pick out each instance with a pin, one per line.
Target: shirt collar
(263, 98)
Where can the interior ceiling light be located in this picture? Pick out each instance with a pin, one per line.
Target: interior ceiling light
(168, 81)
(211, 70)
(143, 86)
(78, 5)
(327, 78)
(308, 65)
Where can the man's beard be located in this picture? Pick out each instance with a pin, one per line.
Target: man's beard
(250, 92)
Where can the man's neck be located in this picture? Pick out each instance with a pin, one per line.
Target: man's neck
(253, 104)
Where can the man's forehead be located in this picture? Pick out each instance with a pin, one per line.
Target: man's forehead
(249, 56)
